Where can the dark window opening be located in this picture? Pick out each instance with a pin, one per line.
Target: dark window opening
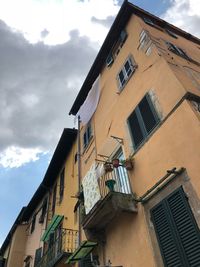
(171, 33)
(116, 48)
(177, 231)
(33, 223)
(62, 183)
(87, 135)
(177, 50)
(44, 210)
(75, 157)
(38, 256)
(148, 21)
(54, 199)
(142, 121)
(109, 60)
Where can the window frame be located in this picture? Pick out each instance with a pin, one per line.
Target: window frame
(177, 50)
(33, 222)
(87, 135)
(143, 129)
(126, 77)
(62, 184)
(44, 210)
(54, 199)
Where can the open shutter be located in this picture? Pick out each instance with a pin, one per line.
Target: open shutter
(177, 231)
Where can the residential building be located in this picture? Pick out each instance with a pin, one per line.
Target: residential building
(45, 233)
(143, 96)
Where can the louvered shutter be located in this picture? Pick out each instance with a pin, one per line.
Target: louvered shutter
(135, 128)
(177, 231)
(148, 114)
(142, 121)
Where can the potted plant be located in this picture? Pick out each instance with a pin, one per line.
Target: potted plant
(115, 163)
(128, 163)
(110, 184)
(108, 167)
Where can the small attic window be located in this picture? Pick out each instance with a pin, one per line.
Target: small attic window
(116, 48)
(177, 50)
(171, 33)
(148, 21)
(109, 60)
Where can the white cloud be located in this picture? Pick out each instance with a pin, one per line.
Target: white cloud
(38, 84)
(58, 18)
(14, 157)
(185, 14)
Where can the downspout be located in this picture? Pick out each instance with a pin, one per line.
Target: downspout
(79, 178)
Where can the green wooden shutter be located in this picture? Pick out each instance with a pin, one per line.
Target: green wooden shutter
(177, 231)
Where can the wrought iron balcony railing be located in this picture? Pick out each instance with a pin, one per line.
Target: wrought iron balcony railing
(65, 243)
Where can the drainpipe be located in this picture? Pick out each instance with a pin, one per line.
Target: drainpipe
(79, 178)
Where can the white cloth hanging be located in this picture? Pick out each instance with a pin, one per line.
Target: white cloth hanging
(90, 104)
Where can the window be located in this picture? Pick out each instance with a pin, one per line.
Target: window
(148, 21)
(176, 230)
(87, 135)
(54, 199)
(44, 209)
(76, 158)
(125, 73)
(33, 223)
(177, 50)
(62, 182)
(116, 48)
(142, 121)
(171, 33)
(109, 60)
(38, 256)
(27, 261)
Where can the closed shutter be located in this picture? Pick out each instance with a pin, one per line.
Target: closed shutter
(177, 231)
(135, 129)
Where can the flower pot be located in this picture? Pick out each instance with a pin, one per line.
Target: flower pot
(115, 163)
(128, 164)
(108, 167)
(110, 184)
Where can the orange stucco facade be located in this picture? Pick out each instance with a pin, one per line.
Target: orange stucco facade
(123, 221)
(167, 78)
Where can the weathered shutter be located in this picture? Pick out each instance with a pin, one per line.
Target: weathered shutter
(38, 256)
(148, 114)
(177, 231)
(136, 130)
(62, 182)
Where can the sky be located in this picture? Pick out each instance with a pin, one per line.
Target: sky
(46, 50)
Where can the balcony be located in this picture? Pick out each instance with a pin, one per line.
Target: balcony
(63, 246)
(113, 201)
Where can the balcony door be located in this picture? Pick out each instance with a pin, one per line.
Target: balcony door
(121, 176)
